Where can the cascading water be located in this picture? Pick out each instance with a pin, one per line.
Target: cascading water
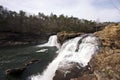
(88, 46)
(51, 42)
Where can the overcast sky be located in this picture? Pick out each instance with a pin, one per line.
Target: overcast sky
(104, 10)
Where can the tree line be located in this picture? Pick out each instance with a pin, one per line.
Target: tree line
(21, 22)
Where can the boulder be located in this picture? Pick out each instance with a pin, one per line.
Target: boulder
(19, 71)
(73, 72)
(15, 72)
(32, 62)
(63, 36)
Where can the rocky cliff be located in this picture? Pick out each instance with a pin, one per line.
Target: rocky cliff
(106, 64)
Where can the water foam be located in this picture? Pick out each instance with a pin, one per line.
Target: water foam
(51, 42)
(42, 50)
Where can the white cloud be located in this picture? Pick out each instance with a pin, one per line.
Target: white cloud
(78, 8)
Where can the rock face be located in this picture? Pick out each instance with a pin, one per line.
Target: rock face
(106, 64)
(110, 36)
(63, 36)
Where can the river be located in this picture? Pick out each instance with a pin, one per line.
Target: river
(13, 57)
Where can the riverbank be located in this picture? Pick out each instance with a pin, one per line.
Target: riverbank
(21, 39)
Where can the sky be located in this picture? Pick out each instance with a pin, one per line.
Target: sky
(102, 10)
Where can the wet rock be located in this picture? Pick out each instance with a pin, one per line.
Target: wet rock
(73, 72)
(19, 71)
(15, 72)
(32, 62)
(79, 42)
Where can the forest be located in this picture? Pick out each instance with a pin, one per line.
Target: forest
(21, 22)
(23, 28)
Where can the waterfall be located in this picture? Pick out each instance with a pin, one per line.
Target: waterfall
(51, 42)
(88, 46)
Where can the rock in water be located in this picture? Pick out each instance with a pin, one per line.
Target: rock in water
(73, 72)
(19, 71)
(32, 62)
(15, 72)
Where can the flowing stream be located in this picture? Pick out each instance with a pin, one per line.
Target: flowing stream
(78, 50)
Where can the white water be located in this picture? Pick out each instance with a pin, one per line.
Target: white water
(42, 50)
(67, 53)
(51, 42)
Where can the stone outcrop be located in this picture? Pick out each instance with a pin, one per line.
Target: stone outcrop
(110, 36)
(106, 64)
(75, 71)
(63, 36)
